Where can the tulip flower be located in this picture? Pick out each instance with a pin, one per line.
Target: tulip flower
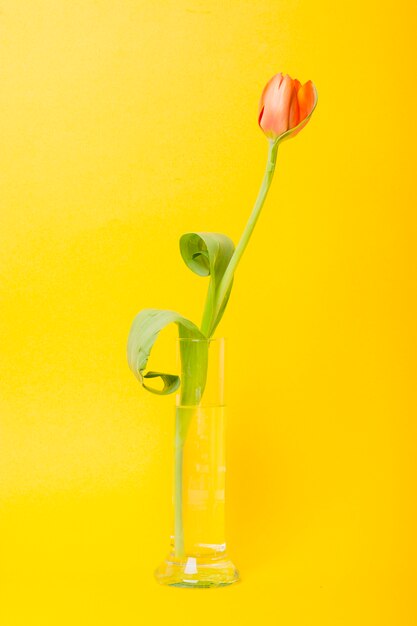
(286, 106)
(284, 109)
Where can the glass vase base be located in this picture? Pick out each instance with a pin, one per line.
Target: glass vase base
(197, 573)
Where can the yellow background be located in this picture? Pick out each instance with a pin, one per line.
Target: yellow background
(124, 125)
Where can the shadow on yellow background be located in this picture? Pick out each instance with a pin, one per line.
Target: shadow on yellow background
(124, 125)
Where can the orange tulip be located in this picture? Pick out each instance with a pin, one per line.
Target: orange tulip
(286, 106)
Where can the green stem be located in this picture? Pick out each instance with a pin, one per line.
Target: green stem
(178, 488)
(206, 320)
(194, 363)
(241, 246)
(194, 356)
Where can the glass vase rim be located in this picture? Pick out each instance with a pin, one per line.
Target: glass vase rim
(201, 339)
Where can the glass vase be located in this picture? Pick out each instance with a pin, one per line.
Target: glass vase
(197, 556)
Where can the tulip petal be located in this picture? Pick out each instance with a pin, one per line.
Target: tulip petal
(281, 106)
(267, 104)
(294, 112)
(307, 97)
(275, 79)
(302, 123)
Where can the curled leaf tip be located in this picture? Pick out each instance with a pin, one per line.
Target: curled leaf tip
(208, 254)
(144, 332)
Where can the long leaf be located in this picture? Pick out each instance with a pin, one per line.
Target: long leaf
(143, 334)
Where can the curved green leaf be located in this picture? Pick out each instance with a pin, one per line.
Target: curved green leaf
(143, 334)
(208, 254)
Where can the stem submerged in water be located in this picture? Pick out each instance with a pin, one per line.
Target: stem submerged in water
(194, 363)
(178, 488)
